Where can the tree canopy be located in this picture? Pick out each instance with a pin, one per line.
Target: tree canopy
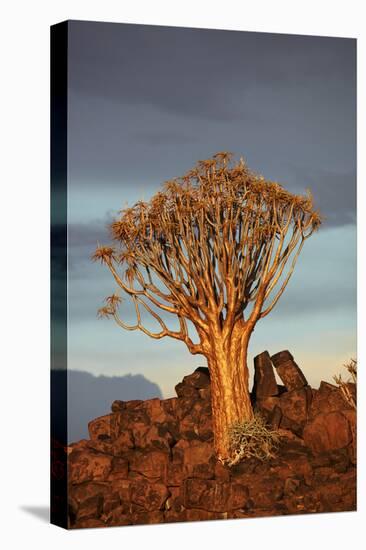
(206, 247)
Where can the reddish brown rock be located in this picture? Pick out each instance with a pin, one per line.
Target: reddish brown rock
(89, 508)
(205, 428)
(203, 515)
(328, 398)
(327, 432)
(295, 404)
(192, 455)
(205, 393)
(265, 384)
(111, 502)
(174, 509)
(119, 469)
(199, 379)
(118, 405)
(184, 390)
(123, 443)
(267, 404)
(150, 496)
(100, 428)
(154, 438)
(222, 472)
(150, 464)
(153, 461)
(155, 411)
(184, 406)
(265, 491)
(352, 419)
(170, 406)
(206, 495)
(281, 357)
(289, 372)
(89, 466)
(275, 417)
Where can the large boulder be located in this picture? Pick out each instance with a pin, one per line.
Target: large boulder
(213, 495)
(150, 496)
(289, 372)
(88, 465)
(295, 404)
(328, 398)
(265, 384)
(151, 464)
(327, 432)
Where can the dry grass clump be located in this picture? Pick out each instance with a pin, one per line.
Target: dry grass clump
(351, 367)
(252, 439)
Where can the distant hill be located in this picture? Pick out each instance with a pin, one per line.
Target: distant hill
(91, 396)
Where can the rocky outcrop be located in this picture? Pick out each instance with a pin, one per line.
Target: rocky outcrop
(153, 461)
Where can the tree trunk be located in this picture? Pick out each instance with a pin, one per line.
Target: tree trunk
(230, 398)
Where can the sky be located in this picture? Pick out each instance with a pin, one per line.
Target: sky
(145, 104)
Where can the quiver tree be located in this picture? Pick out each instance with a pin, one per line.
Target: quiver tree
(216, 249)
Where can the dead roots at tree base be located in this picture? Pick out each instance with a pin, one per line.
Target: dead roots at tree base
(252, 439)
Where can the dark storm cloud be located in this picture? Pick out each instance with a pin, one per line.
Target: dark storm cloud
(334, 194)
(191, 71)
(147, 102)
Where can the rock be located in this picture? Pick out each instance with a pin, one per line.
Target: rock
(123, 443)
(274, 418)
(265, 491)
(295, 404)
(119, 469)
(291, 485)
(197, 423)
(222, 472)
(213, 495)
(289, 372)
(205, 428)
(151, 464)
(116, 517)
(205, 393)
(86, 492)
(118, 406)
(90, 508)
(174, 509)
(150, 496)
(133, 403)
(327, 431)
(170, 406)
(292, 426)
(146, 518)
(202, 515)
(281, 357)
(194, 456)
(265, 384)
(184, 406)
(199, 379)
(155, 438)
(155, 411)
(136, 421)
(111, 502)
(88, 465)
(352, 419)
(328, 398)
(267, 404)
(153, 461)
(184, 390)
(100, 428)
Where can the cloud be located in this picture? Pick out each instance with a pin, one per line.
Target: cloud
(145, 103)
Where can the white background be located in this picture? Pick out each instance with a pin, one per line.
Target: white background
(24, 218)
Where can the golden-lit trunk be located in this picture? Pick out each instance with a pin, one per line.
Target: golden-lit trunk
(230, 398)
